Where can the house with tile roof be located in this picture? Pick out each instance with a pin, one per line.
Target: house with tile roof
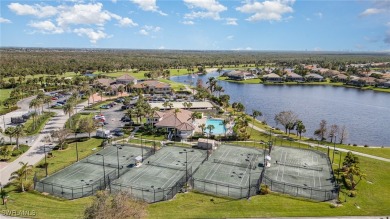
(126, 79)
(314, 77)
(291, 76)
(153, 86)
(272, 78)
(175, 122)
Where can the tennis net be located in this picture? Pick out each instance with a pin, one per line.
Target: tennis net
(113, 165)
(302, 166)
(243, 165)
(166, 166)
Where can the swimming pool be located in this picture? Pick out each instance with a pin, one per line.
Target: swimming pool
(219, 128)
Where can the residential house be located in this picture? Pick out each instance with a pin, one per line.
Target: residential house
(126, 79)
(240, 75)
(314, 77)
(153, 86)
(180, 123)
(340, 78)
(272, 78)
(291, 76)
(386, 84)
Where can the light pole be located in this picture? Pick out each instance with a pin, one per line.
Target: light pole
(142, 150)
(104, 169)
(44, 151)
(77, 150)
(338, 172)
(249, 183)
(334, 147)
(186, 152)
(117, 156)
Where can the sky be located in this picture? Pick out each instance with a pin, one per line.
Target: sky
(309, 25)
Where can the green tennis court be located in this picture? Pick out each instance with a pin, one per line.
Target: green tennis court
(230, 171)
(161, 175)
(300, 172)
(85, 177)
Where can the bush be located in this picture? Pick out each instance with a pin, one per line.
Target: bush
(16, 153)
(352, 193)
(347, 183)
(264, 189)
(355, 145)
(65, 146)
(366, 146)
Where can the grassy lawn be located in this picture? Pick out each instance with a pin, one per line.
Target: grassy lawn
(15, 152)
(41, 121)
(4, 94)
(175, 85)
(67, 74)
(249, 81)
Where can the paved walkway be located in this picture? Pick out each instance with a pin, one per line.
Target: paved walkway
(35, 152)
(322, 146)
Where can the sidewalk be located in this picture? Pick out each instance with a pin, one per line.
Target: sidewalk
(322, 146)
(35, 152)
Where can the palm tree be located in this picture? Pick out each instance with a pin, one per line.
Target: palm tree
(255, 114)
(202, 127)
(300, 127)
(121, 89)
(21, 173)
(18, 132)
(9, 131)
(47, 100)
(177, 110)
(34, 104)
(87, 94)
(68, 109)
(210, 128)
(225, 122)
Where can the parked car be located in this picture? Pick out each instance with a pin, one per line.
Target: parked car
(126, 119)
(105, 106)
(125, 107)
(118, 132)
(54, 98)
(103, 134)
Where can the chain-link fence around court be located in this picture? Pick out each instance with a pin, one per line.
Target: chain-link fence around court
(89, 187)
(301, 191)
(152, 195)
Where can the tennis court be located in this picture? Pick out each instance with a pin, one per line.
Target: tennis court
(300, 172)
(232, 171)
(85, 177)
(161, 175)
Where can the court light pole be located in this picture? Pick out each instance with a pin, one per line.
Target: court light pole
(117, 155)
(249, 182)
(44, 151)
(142, 150)
(77, 151)
(334, 147)
(104, 169)
(186, 152)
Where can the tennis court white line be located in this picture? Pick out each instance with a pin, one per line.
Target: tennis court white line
(141, 173)
(256, 156)
(219, 165)
(284, 166)
(193, 158)
(216, 165)
(312, 159)
(281, 156)
(318, 174)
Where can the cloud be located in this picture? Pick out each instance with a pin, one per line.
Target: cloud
(84, 14)
(34, 10)
(246, 48)
(270, 10)
(143, 32)
(82, 19)
(319, 15)
(46, 27)
(5, 21)
(204, 9)
(93, 35)
(371, 11)
(146, 30)
(126, 22)
(231, 21)
(148, 5)
(230, 37)
(161, 47)
(188, 22)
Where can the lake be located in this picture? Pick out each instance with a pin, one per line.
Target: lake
(365, 113)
